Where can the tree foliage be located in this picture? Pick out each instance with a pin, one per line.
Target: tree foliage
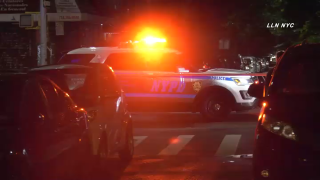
(304, 14)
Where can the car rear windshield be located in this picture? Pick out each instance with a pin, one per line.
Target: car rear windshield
(298, 73)
(82, 59)
(83, 80)
(10, 97)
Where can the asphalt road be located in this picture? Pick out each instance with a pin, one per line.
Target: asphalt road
(178, 146)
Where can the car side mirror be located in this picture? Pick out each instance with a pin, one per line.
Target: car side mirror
(256, 90)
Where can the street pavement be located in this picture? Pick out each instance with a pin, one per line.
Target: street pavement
(180, 146)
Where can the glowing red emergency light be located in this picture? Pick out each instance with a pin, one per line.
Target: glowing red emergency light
(152, 40)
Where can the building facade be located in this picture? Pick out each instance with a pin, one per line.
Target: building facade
(70, 24)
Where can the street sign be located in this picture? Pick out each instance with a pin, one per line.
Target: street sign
(26, 20)
(46, 3)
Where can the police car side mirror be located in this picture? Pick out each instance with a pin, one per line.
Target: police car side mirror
(256, 90)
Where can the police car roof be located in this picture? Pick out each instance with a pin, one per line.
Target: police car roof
(109, 50)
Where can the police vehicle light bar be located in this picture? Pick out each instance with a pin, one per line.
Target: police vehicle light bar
(152, 40)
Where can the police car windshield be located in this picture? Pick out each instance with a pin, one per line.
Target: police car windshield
(298, 73)
(10, 97)
(76, 59)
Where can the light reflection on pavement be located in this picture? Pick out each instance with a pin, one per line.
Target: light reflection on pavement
(224, 168)
(197, 160)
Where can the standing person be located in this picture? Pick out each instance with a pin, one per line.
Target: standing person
(269, 75)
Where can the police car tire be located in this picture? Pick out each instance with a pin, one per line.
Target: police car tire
(126, 153)
(225, 105)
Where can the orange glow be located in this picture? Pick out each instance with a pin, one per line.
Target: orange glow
(150, 37)
(67, 95)
(75, 106)
(256, 82)
(263, 118)
(262, 115)
(81, 109)
(152, 40)
(79, 140)
(174, 141)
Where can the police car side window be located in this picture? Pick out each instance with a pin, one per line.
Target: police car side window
(163, 67)
(126, 62)
(167, 63)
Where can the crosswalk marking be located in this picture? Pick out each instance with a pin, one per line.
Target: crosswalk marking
(176, 145)
(138, 140)
(228, 145)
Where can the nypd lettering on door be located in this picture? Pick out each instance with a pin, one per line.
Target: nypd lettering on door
(168, 86)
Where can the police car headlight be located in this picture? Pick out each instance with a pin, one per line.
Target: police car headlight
(240, 82)
(280, 128)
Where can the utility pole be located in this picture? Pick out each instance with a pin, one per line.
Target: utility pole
(43, 35)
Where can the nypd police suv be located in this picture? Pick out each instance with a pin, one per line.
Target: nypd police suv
(160, 79)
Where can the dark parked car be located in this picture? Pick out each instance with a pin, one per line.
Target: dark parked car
(287, 139)
(42, 131)
(95, 88)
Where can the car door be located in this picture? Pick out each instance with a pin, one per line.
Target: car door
(170, 89)
(110, 105)
(35, 116)
(65, 128)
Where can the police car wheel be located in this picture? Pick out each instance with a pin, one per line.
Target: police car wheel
(127, 152)
(215, 108)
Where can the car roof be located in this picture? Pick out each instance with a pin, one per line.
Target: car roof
(60, 66)
(13, 74)
(109, 50)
